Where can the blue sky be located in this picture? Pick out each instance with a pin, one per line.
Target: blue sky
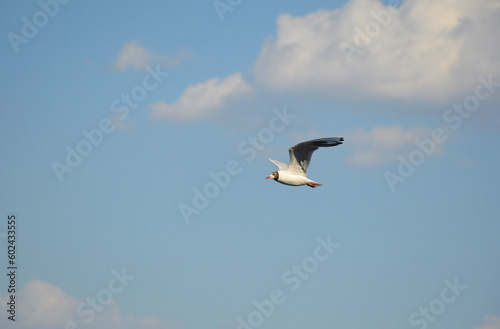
(135, 140)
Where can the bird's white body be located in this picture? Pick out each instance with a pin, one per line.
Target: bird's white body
(288, 178)
(294, 173)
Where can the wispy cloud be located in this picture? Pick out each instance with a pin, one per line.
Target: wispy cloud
(490, 322)
(42, 304)
(383, 144)
(428, 50)
(45, 304)
(199, 101)
(469, 163)
(134, 55)
(123, 124)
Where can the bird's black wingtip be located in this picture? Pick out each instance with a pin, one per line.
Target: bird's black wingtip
(329, 141)
(338, 140)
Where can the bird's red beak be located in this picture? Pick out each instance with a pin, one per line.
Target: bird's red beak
(268, 177)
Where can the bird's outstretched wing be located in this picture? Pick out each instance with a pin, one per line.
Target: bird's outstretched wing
(279, 164)
(300, 154)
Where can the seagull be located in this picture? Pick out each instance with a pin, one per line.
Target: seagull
(294, 173)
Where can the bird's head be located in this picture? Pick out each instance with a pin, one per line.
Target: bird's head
(274, 175)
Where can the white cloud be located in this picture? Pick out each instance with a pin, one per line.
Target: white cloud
(469, 163)
(123, 124)
(201, 100)
(133, 54)
(424, 51)
(112, 318)
(151, 322)
(384, 144)
(490, 322)
(430, 50)
(41, 304)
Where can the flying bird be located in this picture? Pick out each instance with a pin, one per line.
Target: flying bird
(294, 173)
